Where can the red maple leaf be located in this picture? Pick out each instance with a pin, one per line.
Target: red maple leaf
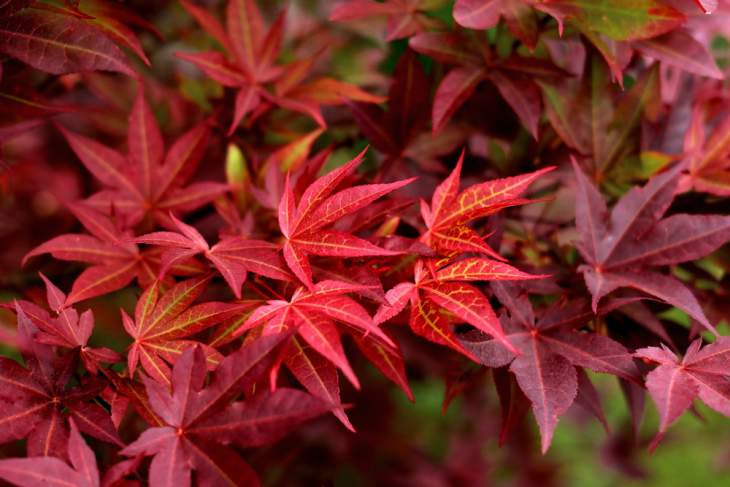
(252, 66)
(440, 297)
(149, 183)
(115, 261)
(164, 321)
(708, 154)
(304, 224)
(38, 402)
(551, 347)
(316, 351)
(83, 471)
(67, 328)
(474, 61)
(702, 373)
(622, 248)
(439, 285)
(400, 131)
(232, 256)
(199, 420)
(451, 210)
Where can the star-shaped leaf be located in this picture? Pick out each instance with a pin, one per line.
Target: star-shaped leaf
(64, 327)
(676, 382)
(551, 348)
(252, 67)
(38, 402)
(164, 321)
(623, 248)
(304, 223)
(314, 314)
(150, 182)
(450, 211)
(199, 420)
(441, 298)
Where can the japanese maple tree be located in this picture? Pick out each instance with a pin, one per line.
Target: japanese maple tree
(257, 243)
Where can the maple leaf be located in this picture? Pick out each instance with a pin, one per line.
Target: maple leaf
(199, 421)
(59, 44)
(67, 328)
(485, 14)
(48, 471)
(164, 321)
(551, 347)
(399, 132)
(115, 261)
(622, 248)
(474, 61)
(37, 401)
(232, 256)
(676, 382)
(303, 224)
(405, 17)
(313, 315)
(451, 210)
(441, 285)
(446, 289)
(252, 66)
(149, 182)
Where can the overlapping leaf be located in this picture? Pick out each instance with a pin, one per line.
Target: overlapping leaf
(49, 471)
(232, 256)
(251, 66)
(200, 420)
(164, 321)
(451, 210)
(708, 153)
(317, 351)
(66, 328)
(304, 224)
(593, 118)
(442, 298)
(38, 402)
(115, 262)
(474, 62)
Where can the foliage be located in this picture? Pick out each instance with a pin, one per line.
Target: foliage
(228, 199)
